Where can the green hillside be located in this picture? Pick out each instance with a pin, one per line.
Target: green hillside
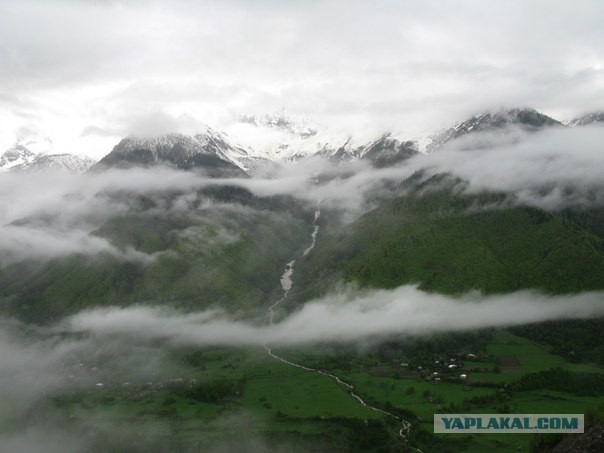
(228, 255)
(452, 243)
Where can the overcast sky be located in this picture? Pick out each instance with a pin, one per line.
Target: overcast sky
(86, 73)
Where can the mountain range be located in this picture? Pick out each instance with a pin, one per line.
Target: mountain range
(218, 155)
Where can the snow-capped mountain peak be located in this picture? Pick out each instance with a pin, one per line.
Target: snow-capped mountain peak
(59, 162)
(525, 118)
(208, 148)
(279, 138)
(21, 158)
(303, 129)
(16, 156)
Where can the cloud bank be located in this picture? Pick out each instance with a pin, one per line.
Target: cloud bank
(344, 317)
(132, 343)
(552, 169)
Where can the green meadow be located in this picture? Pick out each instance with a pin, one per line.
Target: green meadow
(213, 397)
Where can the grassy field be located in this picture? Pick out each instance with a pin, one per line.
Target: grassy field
(212, 396)
(532, 356)
(484, 391)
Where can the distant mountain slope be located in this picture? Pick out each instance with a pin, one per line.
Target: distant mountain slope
(524, 118)
(387, 151)
(227, 253)
(59, 162)
(21, 158)
(590, 118)
(382, 152)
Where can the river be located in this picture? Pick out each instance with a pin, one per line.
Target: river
(286, 285)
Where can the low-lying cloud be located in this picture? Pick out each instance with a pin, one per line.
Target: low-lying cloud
(50, 215)
(344, 317)
(551, 169)
(131, 343)
(23, 242)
